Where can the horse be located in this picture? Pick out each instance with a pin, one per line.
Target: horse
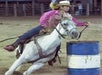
(47, 44)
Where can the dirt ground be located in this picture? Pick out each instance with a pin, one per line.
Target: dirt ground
(15, 26)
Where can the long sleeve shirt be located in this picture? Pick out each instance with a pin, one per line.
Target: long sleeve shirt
(78, 23)
(52, 18)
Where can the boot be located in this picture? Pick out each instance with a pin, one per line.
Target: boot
(11, 47)
(51, 62)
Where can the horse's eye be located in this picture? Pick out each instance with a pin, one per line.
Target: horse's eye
(65, 24)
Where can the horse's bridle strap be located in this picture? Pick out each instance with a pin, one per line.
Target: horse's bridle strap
(60, 33)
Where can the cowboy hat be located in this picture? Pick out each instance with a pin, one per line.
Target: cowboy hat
(65, 2)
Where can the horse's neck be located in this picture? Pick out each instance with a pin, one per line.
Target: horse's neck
(57, 30)
(55, 34)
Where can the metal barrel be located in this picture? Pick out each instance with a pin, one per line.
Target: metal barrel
(83, 58)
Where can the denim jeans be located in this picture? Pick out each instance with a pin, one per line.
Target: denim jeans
(29, 34)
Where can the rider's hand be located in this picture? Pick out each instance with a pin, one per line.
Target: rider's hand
(87, 23)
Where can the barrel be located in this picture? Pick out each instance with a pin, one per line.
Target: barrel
(83, 58)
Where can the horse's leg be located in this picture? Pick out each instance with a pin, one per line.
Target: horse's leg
(33, 68)
(37, 65)
(17, 63)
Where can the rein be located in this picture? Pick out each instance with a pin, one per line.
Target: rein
(60, 33)
(81, 32)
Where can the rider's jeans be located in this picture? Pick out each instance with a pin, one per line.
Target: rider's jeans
(29, 33)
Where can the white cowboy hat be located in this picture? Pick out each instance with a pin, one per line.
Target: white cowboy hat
(65, 2)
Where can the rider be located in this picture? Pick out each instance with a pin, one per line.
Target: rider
(48, 20)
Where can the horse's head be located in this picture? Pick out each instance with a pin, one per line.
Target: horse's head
(68, 27)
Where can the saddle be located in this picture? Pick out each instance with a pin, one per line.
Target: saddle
(45, 31)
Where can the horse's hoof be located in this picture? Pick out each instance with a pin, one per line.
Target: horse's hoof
(25, 73)
(7, 73)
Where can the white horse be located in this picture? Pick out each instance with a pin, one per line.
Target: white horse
(48, 45)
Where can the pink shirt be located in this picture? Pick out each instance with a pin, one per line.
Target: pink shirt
(47, 19)
(44, 20)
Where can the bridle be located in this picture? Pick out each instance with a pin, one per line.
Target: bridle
(64, 27)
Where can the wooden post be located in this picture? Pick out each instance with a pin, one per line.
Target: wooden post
(6, 8)
(18, 10)
(95, 3)
(15, 10)
(24, 9)
(33, 7)
(42, 8)
(87, 10)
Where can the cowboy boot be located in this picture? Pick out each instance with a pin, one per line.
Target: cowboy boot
(11, 47)
(51, 62)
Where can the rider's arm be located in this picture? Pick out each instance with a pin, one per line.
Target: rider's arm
(79, 23)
